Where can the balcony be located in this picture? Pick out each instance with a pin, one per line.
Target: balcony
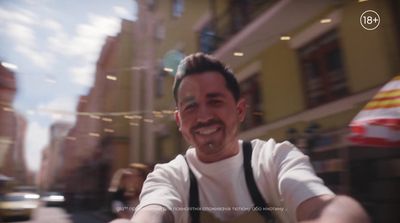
(255, 25)
(222, 27)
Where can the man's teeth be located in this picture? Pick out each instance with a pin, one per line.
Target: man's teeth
(207, 131)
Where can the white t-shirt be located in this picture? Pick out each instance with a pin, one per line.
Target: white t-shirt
(282, 173)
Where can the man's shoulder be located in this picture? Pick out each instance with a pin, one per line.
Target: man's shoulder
(263, 144)
(176, 162)
(271, 146)
(174, 167)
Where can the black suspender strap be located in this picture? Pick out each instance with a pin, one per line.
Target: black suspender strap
(259, 202)
(194, 202)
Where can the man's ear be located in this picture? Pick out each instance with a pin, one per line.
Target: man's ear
(241, 108)
(178, 119)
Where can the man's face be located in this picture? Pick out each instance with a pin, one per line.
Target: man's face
(208, 116)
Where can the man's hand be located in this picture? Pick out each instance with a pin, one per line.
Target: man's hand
(330, 209)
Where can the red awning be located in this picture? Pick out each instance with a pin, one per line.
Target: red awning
(378, 123)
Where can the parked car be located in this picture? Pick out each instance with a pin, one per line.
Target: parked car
(18, 204)
(53, 199)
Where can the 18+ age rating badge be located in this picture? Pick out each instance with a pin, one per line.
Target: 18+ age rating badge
(370, 20)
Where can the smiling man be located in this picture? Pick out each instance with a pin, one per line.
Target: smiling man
(224, 178)
(205, 116)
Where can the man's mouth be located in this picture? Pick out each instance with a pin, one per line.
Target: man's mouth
(207, 130)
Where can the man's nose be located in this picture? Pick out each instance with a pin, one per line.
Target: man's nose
(204, 114)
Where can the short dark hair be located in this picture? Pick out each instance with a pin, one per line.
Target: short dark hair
(198, 63)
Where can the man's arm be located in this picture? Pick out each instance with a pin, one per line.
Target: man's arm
(330, 209)
(153, 214)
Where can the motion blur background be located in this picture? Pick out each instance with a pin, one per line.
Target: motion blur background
(85, 90)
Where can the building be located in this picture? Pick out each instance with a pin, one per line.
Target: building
(12, 130)
(53, 158)
(174, 24)
(106, 134)
(305, 68)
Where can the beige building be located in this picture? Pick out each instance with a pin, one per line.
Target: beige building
(107, 132)
(53, 158)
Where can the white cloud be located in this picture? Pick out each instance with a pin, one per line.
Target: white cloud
(19, 16)
(27, 18)
(86, 44)
(20, 26)
(41, 59)
(127, 12)
(58, 42)
(87, 40)
(33, 2)
(83, 75)
(37, 138)
(21, 34)
(60, 109)
(122, 12)
(100, 26)
(52, 24)
(90, 36)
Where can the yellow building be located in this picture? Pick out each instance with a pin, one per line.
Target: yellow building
(298, 63)
(175, 25)
(306, 69)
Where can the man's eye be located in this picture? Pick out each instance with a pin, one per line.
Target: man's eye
(216, 102)
(189, 107)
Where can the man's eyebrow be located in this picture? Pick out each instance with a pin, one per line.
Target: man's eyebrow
(214, 95)
(187, 100)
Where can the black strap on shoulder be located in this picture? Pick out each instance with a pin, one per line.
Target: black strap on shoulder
(194, 202)
(258, 200)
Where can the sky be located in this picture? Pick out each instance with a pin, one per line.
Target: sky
(54, 45)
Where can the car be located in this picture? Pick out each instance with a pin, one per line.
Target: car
(53, 199)
(18, 204)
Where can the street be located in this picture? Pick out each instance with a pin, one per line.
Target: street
(59, 215)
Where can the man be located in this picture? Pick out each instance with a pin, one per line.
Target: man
(209, 112)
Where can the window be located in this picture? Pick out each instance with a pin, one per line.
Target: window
(251, 92)
(177, 8)
(207, 39)
(224, 24)
(160, 31)
(239, 15)
(151, 4)
(323, 70)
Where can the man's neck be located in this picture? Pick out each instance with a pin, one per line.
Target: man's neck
(228, 151)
